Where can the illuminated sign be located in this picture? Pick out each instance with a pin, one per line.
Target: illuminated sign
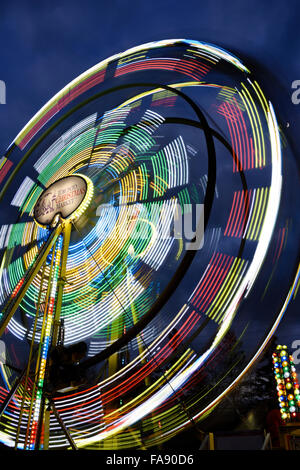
(63, 197)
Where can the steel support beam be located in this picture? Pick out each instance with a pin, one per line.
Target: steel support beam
(67, 227)
(13, 303)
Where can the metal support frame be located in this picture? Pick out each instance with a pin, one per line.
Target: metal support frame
(62, 424)
(267, 442)
(12, 305)
(12, 391)
(208, 442)
(67, 227)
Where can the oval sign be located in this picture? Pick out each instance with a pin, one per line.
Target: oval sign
(62, 197)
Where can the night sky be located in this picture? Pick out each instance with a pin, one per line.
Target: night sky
(44, 45)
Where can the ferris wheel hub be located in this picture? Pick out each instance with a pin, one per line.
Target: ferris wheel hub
(65, 199)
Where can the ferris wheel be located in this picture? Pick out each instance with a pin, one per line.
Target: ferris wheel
(144, 216)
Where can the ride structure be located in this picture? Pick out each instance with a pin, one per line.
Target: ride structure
(146, 212)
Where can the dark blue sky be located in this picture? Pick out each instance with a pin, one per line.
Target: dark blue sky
(44, 45)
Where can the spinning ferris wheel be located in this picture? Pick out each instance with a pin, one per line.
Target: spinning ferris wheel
(146, 210)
